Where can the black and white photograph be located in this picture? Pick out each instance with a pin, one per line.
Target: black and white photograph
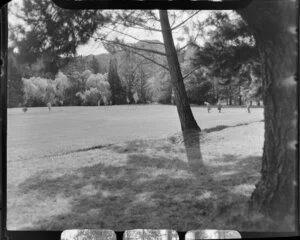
(175, 119)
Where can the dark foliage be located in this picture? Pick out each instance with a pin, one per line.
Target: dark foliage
(118, 94)
(15, 93)
(53, 33)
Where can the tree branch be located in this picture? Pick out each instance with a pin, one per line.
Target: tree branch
(139, 54)
(145, 41)
(173, 20)
(179, 49)
(146, 28)
(128, 46)
(135, 23)
(151, 60)
(189, 73)
(183, 22)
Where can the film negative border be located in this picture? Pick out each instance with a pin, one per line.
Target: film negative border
(152, 4)
(92, 5)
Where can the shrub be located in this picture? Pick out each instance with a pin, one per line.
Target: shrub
(38, 91)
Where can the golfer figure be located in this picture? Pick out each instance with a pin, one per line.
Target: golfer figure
(219, 106)
(49, 106)
(208, 106)
(249, 104)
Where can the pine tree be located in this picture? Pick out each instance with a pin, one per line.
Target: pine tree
(118, 95)
(69, 29)
(230, 56)
(274, 26)
(95, 65)
(14, 84)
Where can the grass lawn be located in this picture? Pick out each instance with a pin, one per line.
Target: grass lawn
(123, 167)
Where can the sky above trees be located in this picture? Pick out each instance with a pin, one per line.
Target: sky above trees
(95, 47)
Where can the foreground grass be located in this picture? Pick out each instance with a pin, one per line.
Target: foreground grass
(64, 174)
(183, 181)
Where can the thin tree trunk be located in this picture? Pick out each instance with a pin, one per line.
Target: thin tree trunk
(274, 28)
(169, 234)
(230, 97)
(186, 117)
(240, 96)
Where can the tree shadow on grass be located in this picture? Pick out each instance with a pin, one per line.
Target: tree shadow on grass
(221, 127)
(191, 141)
(151, 190)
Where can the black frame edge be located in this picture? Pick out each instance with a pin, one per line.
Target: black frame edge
(3, 116)
(152, 4)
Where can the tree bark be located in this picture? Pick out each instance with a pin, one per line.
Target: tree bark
(230, 96)
(186, 117)
(273, 24)
(169, 234)
(240, 96)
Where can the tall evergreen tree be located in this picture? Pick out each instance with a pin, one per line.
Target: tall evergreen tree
(14, 84)
(274, 24)
(95, 65)
(53, 33)
(118, 95)
(230, 55)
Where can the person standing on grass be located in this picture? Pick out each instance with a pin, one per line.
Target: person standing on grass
(104, 99)
(219, 106)
(208, 106)
(249, 104)
(49, 106)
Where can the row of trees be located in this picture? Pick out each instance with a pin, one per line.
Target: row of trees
(270, 43)
(80, 88)
(140, 69)
(73, 88)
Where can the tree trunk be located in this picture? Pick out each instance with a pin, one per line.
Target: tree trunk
(169, 234)
(186, 117)
(240, 96)
(274, 27)
(230, 96)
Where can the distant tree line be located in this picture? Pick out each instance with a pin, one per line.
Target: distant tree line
(130, 80)
(225, 68)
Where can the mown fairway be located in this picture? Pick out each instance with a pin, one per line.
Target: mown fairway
(70, 167)
(42, 133)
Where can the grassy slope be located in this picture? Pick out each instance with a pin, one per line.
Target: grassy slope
(173, 181)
